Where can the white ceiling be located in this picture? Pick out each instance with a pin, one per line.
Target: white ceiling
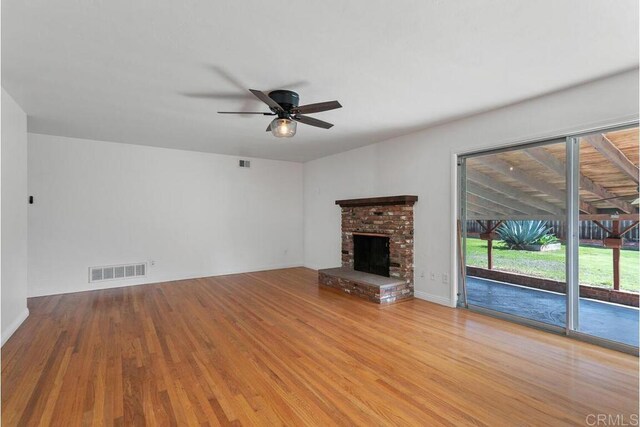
(120, 70)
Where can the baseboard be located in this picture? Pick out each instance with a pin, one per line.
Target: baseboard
(433, 298)
(87, 287)
(6, 334)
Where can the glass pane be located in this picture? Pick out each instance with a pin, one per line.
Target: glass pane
(609, 261)
(515, 232)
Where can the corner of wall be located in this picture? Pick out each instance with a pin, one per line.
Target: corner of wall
(13, 216)
(9, 330)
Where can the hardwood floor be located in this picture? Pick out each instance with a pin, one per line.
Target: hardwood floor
(270, 348)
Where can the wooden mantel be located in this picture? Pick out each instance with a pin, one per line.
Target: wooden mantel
(379, 201)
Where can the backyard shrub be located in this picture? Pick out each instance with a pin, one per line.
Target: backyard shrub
(517, 234)
(547, 239)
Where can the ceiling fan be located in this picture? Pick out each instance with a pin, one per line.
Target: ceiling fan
(284, 104)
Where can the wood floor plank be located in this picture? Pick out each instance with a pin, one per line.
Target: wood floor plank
(271, 348)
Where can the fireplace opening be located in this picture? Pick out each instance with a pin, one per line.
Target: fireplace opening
(371, 254)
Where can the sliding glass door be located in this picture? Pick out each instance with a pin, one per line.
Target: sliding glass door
(608, 261)
(548, 235)
(515, 206)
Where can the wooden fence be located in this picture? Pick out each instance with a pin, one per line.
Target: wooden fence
(588, 230)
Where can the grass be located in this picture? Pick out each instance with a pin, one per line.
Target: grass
(596, 264)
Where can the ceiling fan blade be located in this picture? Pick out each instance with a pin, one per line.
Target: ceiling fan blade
(245, 112)
(316, 108)
(217, 95)
(224, 74)
(312, 122)
(266, 99)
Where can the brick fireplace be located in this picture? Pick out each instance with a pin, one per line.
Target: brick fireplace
(377, 249)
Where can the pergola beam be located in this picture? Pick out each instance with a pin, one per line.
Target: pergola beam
(472, 213)
(537, 184)
(524, 198)
(609, 217)
(629, 228)
(556, 165)
(479, 210)
(491, 206)
(621, 233)
(504, 217)
(500, 199)
(583, 217)
(612, 153)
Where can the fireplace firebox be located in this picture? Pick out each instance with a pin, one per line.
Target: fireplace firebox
(371, 254)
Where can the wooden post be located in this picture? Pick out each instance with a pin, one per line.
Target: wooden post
(616, 257)
(489, 247)
(488, 236)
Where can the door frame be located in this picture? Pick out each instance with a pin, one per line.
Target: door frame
(571, 140)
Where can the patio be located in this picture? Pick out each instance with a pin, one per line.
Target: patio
(611, 321)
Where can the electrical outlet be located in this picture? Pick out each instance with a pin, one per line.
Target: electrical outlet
(445, 278)
(153, 263)
(433, 276)
(422, 274)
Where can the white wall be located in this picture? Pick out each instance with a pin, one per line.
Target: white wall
(194, 214)
(14, 216)
(342, 176)
(424, 164)
(198, 214)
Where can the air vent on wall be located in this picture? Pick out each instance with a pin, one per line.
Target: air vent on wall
(114, 272)
(244, 163)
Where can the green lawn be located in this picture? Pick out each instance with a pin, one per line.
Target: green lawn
(596, 264)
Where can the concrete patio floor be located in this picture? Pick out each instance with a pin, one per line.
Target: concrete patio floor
(611, 321)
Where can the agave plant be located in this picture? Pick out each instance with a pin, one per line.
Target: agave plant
(517, 234)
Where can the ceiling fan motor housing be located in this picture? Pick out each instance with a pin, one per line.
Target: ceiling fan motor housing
(285, 105)
(286, 98)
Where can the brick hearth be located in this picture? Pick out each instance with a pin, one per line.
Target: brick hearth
(380, 216)
(378, 289)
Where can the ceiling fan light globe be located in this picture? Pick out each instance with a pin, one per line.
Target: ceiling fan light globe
(283, 128)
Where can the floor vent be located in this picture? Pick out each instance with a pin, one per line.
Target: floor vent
(115, 272)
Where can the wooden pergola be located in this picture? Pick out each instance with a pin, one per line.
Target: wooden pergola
(530, 184)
